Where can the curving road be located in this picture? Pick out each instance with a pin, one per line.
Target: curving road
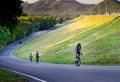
(46, 72)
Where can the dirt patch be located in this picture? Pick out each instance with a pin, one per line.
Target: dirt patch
(117, 34)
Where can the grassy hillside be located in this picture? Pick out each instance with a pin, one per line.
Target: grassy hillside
(99, 36)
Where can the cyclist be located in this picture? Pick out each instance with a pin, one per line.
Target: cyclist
(78, 53)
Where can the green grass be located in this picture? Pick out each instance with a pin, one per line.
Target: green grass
(7, 76)
(99, 36)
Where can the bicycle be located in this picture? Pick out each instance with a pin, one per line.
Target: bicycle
(78, 60)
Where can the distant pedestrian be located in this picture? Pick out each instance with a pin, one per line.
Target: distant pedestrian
(37, 56)
(31, 56)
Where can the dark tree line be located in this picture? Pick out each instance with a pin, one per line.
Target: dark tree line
(9, 13)
(10, 10)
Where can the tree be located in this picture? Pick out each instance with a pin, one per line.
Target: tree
(4, 32)
(9, 12)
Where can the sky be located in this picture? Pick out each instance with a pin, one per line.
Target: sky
(81, 1)
(90, 1)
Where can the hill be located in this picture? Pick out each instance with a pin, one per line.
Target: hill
(70, 8)
(99, 36)
(65, 8)
(107, 6)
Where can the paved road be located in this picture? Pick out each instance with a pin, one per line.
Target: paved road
(42, 72)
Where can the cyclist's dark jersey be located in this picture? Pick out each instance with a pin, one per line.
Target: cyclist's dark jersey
(78, 49)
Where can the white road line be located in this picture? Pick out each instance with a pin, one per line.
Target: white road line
(35, 78)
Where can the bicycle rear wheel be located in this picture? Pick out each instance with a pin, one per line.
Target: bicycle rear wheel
(79, 61)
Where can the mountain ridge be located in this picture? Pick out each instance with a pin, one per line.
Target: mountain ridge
(71, 8)
(107, 7)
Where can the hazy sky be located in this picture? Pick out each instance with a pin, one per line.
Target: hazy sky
(82, 1)
(89, 1)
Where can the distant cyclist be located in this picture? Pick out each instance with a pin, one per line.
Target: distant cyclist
(78, 53)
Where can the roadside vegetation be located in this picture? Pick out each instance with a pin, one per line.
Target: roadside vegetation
(7, 76)
(99, 36)
(27, 25)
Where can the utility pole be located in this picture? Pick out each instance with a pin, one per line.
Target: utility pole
(106, 8)
(91, 11)
(99, 10)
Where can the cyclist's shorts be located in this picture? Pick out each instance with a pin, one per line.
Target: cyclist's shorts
(78, 53)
